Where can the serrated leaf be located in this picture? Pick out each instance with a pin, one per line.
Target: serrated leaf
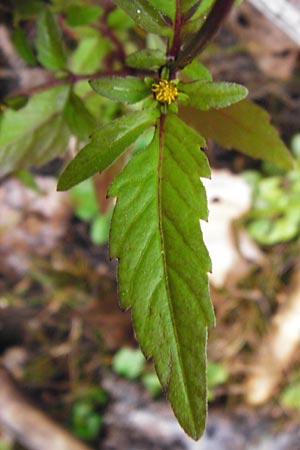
(79, 119)
(121, 89)
(19, 39)
(49, 42)
(107, 144)
(36, 133)
(245, 127)
(145, 15)
(205, 95)
(146, 59)
(163, 263)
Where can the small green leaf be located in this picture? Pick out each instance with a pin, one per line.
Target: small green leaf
(85, 201)
(129, 363)
(197, 71)
(206, 95)
(107, 144)
(216, 374)
(290, 397)
(202, 7)
(121, 89)
(166, 7)
(36, 133)
(82, 14)
(145, 15)
(245, 127)
(79, 119)
(99, 231)
(49, 42)
(19, 39)
(163, 262)
(146, 59)
(151, 382)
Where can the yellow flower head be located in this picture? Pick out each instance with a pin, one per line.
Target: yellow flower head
(165, 91)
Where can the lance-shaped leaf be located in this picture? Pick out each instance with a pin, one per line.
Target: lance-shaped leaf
(205, 94)
(107, 144)
(121, 89)
(163, 262)
(146, 59)
(48, 42)
(245, 127)
(145, 15)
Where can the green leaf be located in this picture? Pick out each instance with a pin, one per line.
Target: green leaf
(145, 15)
(99, 231)
(87, 58)
(290, 397)
(146, 59)
(22, 46)
(216, 374)
(167, 7)
(121, 89)
(82, 14)
(163, 263)
(203, 7)
(129, 363)
(197, 71)
(185, 5)
(84, 197)
(205, 95)
(79, 119)
(36, 133)
(49, 42)
(25, 10)
(152, 384)
(245, 127)
(107, 144)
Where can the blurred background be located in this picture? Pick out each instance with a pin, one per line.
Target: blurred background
(71, 374)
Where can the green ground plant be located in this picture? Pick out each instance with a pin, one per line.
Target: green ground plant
(141, 60)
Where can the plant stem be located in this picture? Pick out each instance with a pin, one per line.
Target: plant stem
(109, 33)
(199, 41)
(176, 43)
(71, 78)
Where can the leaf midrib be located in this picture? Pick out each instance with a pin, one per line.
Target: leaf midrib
(163, 255)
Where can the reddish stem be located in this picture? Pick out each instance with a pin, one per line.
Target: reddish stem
(199, 41)
(71, 78)
(176, 43)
